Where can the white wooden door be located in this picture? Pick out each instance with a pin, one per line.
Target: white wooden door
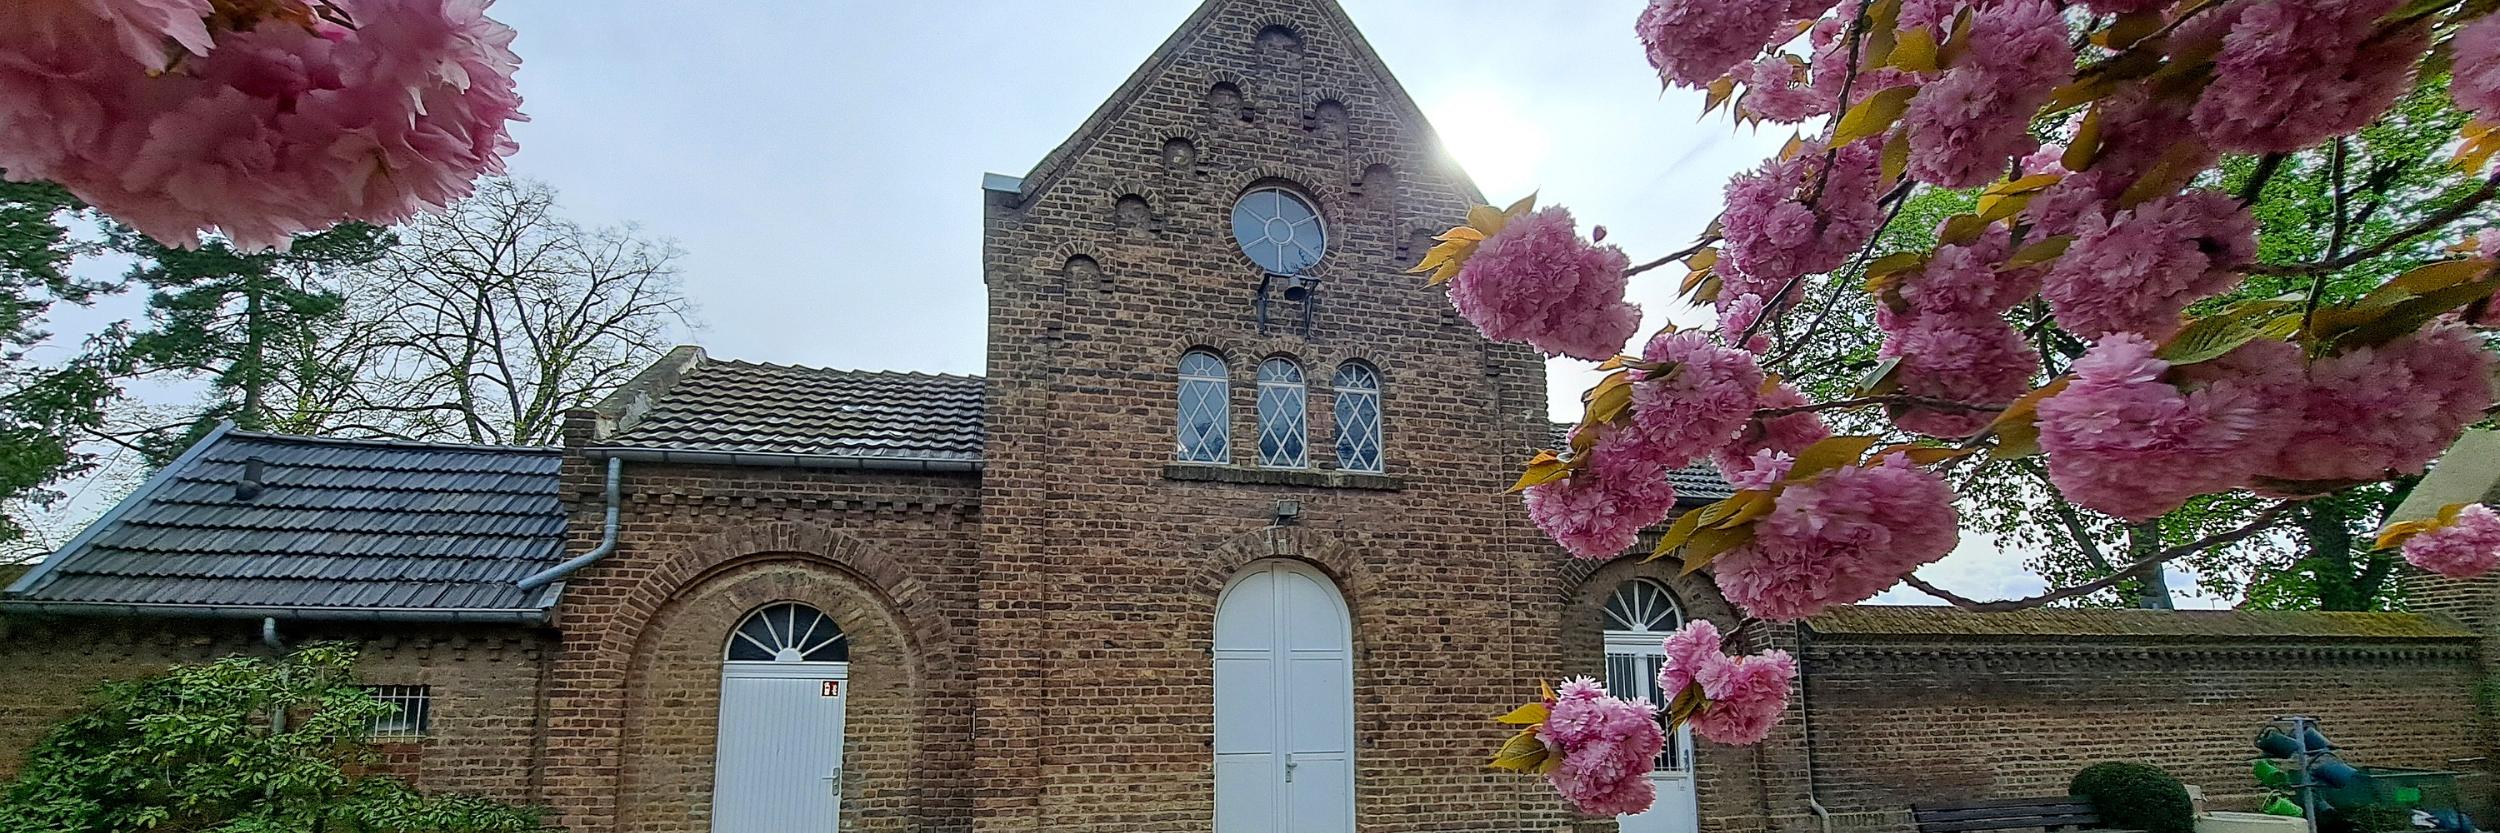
(1284, 703)
(779, 762)
(1639, 616)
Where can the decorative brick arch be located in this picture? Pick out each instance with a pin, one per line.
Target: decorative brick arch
(925, 624)
(1334, 558)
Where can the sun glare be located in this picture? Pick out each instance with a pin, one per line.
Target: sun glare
(1485, 131)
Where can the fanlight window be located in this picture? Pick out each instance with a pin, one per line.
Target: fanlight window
(1281, 418)
(1358, 417)
(1206, 411)
(1279, 230)
(788, 632)
(1642, 605)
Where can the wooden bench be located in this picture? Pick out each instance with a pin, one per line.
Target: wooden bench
(2051, 813)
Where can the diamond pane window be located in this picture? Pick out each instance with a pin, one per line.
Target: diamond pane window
(1358, 417)
(1279, 230)
(1206, 410)
(788, 632)
(1281, 397)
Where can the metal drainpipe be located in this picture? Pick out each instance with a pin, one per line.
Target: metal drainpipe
(269, 637)
(607, 539)
(1805, 727)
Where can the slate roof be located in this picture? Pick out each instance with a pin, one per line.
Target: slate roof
(341, 528)
(1938, 621)
(1694, 484)
(734, 406)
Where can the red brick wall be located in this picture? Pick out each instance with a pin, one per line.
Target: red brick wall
(483, 680)
(1897, 721)
(634, 694)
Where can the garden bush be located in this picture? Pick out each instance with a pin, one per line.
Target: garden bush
(2136, 796)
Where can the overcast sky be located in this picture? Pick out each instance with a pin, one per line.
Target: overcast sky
(820, 162)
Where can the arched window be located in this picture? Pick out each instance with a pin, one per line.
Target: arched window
(788, 632)
(1639, 615)
(1358, 417)
(1279, 230)
(1206, 410)
(1281, 397)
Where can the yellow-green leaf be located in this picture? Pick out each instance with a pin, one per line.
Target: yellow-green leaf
(1522, 753)
(2040, 251)
(2206, 339)
(1522, 207)
(1542, 469)
(2018, 429)
(1706, 544)
(1611, 399)
(2025, 185)
(2129, 29)
(1961, 229)
(1827, 454)
(1526, 715)
(1915, 50)
(1747, 506)
(1880, 379)
(1925, 455)
(1677, 533)
(2086, 144)
(1718, 93)
(1873, 116)
(1687, 703)
(1896, 159)
(1996, 207)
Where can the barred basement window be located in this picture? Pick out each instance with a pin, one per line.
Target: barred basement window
(412, 711)
(1358, 417)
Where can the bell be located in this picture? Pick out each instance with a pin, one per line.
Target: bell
(2276, 744)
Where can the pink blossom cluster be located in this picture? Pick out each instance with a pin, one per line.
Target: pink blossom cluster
(258, 132)
(1741, 314)
(1537, 281)
(2465, 547)
(2474, 80)
(1743, 697)
(2137, 132)
(2139, 269)
(1598, 511)
(2370, 411)
(1607, 745)
(1763, 469)
(2124, 441)
(1831, 62)
(1966, 125)
(2293, 73)
(1791, 217)
(1953, 342)
(1840, 539)
(1698, 403)
(1779, 88)
(1693, 42)
(1786, 434)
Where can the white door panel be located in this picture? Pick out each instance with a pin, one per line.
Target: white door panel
(1284, 704)
(778, 763)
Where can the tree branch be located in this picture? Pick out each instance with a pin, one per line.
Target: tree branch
(2436, 221)
(1674, 256)
(2259, 524)
(1886, 399)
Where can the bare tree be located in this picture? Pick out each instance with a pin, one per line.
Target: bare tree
(497, 315)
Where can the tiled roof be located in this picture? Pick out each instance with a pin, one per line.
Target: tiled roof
(1936, 621)
(1696, 483)
(364, 525)
(735, 406)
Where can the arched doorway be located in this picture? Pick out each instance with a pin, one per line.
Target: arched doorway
(778, 763)
(1284, 703)
(1639, 615)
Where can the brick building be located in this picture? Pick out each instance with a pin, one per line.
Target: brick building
(1218, 543)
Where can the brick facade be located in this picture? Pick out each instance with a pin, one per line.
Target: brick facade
(1031, 641)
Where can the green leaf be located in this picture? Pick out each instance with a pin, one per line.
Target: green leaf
(2206, 339)
(1526, 715)
(1873, 116)
(1708, 543)
(1827, 454)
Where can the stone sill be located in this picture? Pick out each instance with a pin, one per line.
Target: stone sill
(1318, 478)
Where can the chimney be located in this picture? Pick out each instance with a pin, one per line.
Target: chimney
(249, 487)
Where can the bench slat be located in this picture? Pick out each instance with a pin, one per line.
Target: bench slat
(2005, 802)
(1965, 813)
(2027, 822)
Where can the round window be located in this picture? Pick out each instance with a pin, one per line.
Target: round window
(1278, 230)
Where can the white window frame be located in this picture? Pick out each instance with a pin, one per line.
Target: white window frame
(1222, 435)
(1636, 648)
(1284, 422)
(1317, 223)
(1364, 393)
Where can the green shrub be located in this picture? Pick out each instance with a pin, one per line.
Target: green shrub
(2136, 797)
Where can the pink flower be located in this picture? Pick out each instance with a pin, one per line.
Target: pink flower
(2464, 548)
(1763, 470)
(2475, 78)
(1963, 279)
(1746, 697)
(1607, 745)
(1598, 512)
(1971, 358)
(2371, 411)
(1699, 403)
(1774, 235)
(148, 32)
(2123, 441)
(1693, 42)
(270, 130)
(1778, 89)
(1831, 62)
(1743, 697)
(1840, 539)
(2137, 271)
(2293, 73)
(2138, 132)
(1788, 434)
(1739, 314)
(1538, 282)
(1967, 125)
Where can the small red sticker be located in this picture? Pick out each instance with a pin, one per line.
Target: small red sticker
(833, 688)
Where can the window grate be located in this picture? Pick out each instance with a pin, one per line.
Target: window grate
(412, 711)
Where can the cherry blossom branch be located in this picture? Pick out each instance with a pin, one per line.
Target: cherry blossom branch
(2257, 525)
(1884, 399)
(1773, 304)
(2436, 221)
(1674, 256)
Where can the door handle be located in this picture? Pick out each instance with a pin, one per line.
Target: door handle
(834, 781)
(1289, 765)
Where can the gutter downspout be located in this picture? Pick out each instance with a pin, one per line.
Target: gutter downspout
(269, 634)
(607, 539)
(1805, 725)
